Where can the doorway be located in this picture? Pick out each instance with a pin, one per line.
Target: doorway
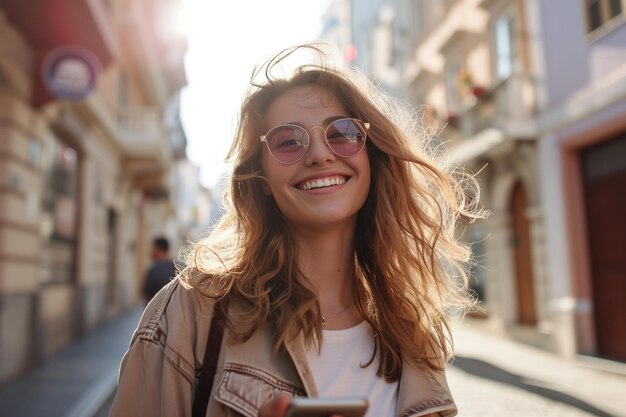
(522, 256)
(604, 177)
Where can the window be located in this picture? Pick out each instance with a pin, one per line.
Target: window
(59, 212)
(507, 54)
(601, 11)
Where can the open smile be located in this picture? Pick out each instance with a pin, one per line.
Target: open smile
(322, 182)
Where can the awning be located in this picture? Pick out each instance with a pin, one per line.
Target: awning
(47, 25)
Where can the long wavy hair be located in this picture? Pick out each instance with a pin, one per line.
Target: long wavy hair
(409, 265)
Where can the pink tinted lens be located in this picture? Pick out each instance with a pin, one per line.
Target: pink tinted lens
(346, 137)
(287, 143)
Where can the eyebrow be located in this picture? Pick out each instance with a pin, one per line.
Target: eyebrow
(326, 121)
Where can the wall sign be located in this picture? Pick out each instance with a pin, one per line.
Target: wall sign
(70, 72)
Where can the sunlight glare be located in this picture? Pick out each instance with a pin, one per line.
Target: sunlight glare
(226, 40)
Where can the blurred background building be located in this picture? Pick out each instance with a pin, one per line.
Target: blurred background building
(92, 165)
(531, 95)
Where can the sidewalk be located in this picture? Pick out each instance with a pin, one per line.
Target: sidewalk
(497, 359)
(76, 381)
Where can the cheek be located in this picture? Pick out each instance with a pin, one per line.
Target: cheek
(367, 173)
(365, 167)
(276, 176)
(367, 184)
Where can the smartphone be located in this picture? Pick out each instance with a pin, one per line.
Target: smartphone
(324, 407)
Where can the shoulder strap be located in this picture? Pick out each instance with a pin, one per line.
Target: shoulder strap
(209, 364)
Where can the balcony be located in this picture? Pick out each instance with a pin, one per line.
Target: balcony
(515, 103)
(509, 106)
(505, 112)
(142, 135)
(146, 147)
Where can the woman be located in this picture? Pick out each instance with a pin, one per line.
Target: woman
(328, 264)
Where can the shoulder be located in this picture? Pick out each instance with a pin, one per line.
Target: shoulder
(176, 307)
(171, 336)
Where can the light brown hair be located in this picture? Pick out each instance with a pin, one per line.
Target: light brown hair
(405, 249)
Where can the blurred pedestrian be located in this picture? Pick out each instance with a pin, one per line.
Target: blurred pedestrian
(328, 274)
(162, 270)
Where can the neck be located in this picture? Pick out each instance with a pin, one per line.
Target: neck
(326, 258)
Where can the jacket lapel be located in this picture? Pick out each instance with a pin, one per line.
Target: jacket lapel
(295, 348)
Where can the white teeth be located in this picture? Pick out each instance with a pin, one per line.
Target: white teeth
(322, 182)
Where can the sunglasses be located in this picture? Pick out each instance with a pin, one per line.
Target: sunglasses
(288, 143)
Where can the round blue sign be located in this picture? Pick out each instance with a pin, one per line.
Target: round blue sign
(70, 72)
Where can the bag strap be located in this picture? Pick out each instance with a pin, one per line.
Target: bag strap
(209, 364)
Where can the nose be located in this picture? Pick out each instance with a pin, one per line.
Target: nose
(318, 153)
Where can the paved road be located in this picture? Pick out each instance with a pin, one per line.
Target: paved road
(478, 396)
(495, 376)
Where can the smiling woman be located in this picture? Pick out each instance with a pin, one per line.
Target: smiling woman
(326, 273)
(243, 31)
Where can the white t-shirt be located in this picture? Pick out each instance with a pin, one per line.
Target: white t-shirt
(337, 370)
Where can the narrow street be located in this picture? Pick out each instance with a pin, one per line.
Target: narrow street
(492, 376)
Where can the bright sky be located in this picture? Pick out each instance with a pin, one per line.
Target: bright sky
(226, 39)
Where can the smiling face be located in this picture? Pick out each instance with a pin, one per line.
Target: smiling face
(320, 189)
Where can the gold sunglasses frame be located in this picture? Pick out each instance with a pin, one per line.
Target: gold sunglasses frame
(365, 125)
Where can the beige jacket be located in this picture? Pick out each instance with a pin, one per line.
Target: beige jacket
(159, 371)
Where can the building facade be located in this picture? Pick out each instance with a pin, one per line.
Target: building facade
(537, 112)
(583, 147)
(89, 136)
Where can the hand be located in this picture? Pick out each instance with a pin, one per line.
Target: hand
(277, 407)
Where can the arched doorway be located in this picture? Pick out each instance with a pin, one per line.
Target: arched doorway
(524, 280)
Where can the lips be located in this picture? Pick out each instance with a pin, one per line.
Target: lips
(322, 182)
